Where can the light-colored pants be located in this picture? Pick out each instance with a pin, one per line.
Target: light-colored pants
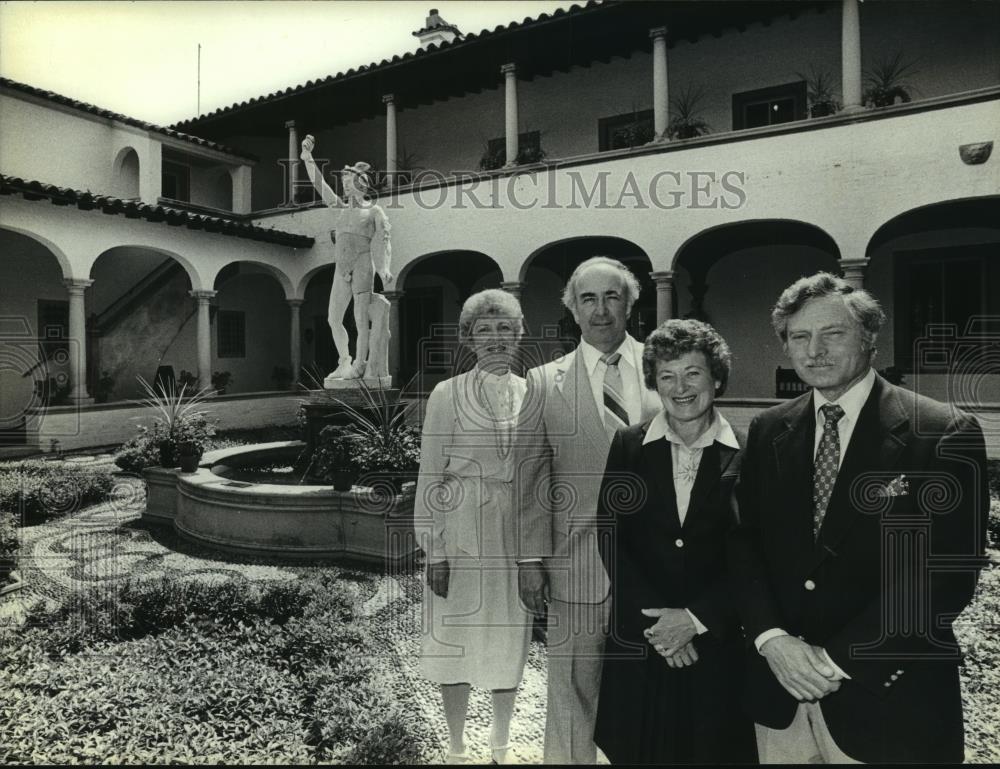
(575, 646)
(807, 740)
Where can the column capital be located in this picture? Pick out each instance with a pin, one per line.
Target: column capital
(510, 68)
(511, 285)
(290, 124)
(203, 295)
(77, 285)
(656, 32)
(388, 98)
(855, 263)
(295, 302)
(393, 296)
(664, 278)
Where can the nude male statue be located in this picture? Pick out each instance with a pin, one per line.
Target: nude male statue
(361, 248)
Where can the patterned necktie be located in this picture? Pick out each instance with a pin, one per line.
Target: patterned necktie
(615, 413)
(827, 463)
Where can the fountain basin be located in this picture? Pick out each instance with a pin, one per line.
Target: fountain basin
(214, 507)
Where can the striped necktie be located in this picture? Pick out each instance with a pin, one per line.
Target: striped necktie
(615, 413)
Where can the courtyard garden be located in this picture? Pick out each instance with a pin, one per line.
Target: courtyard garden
(122, 642)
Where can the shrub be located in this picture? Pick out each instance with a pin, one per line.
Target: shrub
(993, 525)
(142, 451)
(8, 543)
(47, 490)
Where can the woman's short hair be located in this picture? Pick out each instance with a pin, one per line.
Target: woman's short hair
(492, 301)
(674, 338)
(864, 307)
(629, 280)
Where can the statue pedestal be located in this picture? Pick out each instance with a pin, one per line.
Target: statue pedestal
(326, 407)
(371, 382)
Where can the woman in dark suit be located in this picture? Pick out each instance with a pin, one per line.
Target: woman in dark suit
(670, 688)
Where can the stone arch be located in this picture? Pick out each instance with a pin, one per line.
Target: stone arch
(126, 173)
(731, 275)
(140, 317)
(546, 270)
(934, 269)
(50, 246)
(434, 287)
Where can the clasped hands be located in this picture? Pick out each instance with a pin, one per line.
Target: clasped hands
(672, 635)
(801, 668)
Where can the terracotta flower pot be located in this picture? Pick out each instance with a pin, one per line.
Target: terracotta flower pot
(168, 454)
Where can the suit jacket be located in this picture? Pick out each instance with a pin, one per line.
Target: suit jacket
(896, 559)
(560, 451)
(653, 561)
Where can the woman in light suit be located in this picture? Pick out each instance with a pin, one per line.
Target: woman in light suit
(476, 630)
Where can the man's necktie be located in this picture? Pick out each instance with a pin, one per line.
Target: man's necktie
(615, 413)
(827, 463)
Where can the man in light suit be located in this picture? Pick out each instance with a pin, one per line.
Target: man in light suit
(572, 409)
(862, 529)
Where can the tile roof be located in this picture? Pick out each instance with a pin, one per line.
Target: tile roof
(134, 209)
(464, 40)
(94, 110)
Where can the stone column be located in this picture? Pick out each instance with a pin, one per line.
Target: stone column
(293, 159)
(394, 340)
(78, 340)
(510, 111)
(391, 161)
(660, 92)
(850, 55)
(204, 337)
(295, 340)
(854, 271)
(513, 287)
(664, 295)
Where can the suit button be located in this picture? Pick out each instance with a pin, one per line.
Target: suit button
(679, 542)
(810, 585)
(886, 684)
(894, 677)
(899, 672)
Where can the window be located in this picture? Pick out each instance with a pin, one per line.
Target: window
(622, 131)
(176, 181)
(232, 325)
(769, 106)
(937, 287)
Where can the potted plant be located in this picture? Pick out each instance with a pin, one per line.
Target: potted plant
(386, 451)
(687, 123)
(190, 436)
(104, 387)
(178, 419)
(333, 460)
(820, 86)
(220, 381)
(188, 380)
(885, 82)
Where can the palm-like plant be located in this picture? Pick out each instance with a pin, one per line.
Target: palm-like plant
(179, 416)
(687, 123)
(820, 89)
(885, 81)
(383, 440)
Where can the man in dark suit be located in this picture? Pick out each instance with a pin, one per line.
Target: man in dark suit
(862, 531)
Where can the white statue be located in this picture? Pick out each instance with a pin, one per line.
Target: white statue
(361, 248)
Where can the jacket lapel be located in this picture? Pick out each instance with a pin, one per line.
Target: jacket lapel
(874, 448)
(793, 453)
(660, 467)
(580, 403)
(714, 463)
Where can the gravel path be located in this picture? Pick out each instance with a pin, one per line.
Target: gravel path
(94, 548)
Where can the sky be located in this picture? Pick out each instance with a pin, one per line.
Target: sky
(141, 58)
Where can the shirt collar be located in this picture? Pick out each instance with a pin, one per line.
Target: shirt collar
(592, 356)
(851, 401)
(720, 430)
